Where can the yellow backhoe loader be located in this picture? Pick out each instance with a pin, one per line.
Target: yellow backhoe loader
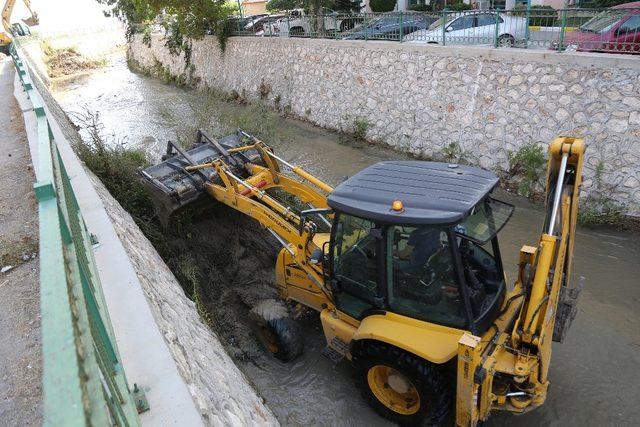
(403, 264)
(19, 29)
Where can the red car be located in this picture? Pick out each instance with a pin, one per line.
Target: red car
(615, 30)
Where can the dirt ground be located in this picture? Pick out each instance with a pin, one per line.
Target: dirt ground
(20, 351)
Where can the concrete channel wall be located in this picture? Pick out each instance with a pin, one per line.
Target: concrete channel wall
(165, 347)
(422, 98)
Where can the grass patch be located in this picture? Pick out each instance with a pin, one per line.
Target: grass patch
(599, 208)
(16, 253)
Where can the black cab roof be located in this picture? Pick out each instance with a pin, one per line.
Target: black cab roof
(430, 192)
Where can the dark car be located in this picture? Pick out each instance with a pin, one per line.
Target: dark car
(391, 27)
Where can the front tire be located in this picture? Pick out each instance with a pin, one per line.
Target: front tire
(277, 332)
(400, 386)
(506, 40)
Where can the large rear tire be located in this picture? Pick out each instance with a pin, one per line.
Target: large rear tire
(278, 333)
(402, 387)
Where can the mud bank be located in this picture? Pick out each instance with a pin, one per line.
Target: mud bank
(233, 265)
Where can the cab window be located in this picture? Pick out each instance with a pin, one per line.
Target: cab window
(421, 279)
(355, 265)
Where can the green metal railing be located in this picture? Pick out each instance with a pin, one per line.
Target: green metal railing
(615, 30)
(83, 379)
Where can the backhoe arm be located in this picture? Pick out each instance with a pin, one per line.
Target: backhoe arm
(552, 260)
(7, 10)
(536, 312)
(249, 196)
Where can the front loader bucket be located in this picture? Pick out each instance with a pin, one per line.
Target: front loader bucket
(173, 188)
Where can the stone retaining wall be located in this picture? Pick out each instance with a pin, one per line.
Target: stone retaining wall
(421, 99)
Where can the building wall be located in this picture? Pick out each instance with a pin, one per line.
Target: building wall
(254, 7)
(422, 98)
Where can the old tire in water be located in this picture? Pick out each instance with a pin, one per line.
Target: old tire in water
(278, 333)
(400, 386)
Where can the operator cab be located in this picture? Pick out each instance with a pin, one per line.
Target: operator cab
(418, 239)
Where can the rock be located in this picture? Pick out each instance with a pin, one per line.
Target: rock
(618, 125)
(534, 90)
(515, 80)
(631, 101)
(561, 115)
(6, 268)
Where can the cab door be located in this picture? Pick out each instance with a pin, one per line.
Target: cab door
(356, 268)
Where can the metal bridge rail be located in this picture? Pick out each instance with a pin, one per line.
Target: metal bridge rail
(83, 379)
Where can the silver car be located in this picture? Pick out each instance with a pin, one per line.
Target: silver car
(473, 28)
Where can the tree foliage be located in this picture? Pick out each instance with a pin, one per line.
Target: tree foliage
(191, 19)
(309, 5)
(602, 3)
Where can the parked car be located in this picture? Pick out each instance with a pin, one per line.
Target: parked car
(476, 27)
(299, 24)
(615, 30)
(388, 27)
(238, 23)
(261, 23)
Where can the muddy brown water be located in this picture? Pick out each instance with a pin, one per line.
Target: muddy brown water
(595, 374)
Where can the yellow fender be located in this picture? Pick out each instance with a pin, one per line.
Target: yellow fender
(435, 343)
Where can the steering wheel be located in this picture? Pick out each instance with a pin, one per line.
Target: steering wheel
(359, 249)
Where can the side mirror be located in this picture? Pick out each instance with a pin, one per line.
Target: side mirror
(317, 257)
(448, 29)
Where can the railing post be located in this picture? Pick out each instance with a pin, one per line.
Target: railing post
(335, 26)
(366, 30)
(444, 26)
(401, 26)
(527, 19)
(495, 36)
(563, 24)
(288, 26)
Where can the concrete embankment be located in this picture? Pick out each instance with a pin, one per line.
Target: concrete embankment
(165, 346)
(483, 103)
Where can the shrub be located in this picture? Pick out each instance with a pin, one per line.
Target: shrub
(544, 16)
(526, 164)
(420, 8)
(360, 128)
(459, 6)
(382, 5)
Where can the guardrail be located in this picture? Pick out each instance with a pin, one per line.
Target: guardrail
(604, 30)
(83, 379)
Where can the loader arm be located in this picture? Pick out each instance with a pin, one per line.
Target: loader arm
(249, 196)
(507, 368)
(7, 10)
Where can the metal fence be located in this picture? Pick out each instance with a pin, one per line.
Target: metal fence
(604, 30)
(83, 379)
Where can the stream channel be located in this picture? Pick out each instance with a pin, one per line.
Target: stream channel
(594, 374)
